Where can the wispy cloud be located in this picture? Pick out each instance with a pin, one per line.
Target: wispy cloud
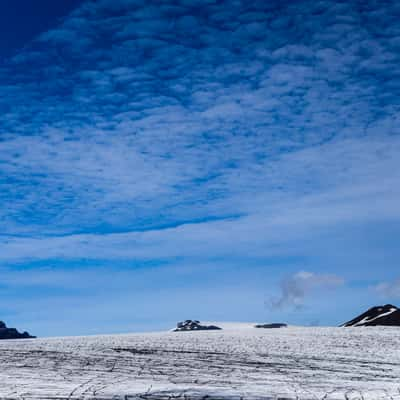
(296, 288)
(388, 290)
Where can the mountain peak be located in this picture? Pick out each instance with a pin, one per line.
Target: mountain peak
(387, 315)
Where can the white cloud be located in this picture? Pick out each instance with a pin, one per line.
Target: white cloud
(389, 290)
(296, 288)
(196, 117)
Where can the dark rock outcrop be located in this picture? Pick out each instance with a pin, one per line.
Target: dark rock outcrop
(12, 333)
(387, 315)
(193, 325)
(269, 326)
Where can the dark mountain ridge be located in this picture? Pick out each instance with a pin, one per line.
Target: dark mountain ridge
(193, 325)
(12, 333)
(387, 315)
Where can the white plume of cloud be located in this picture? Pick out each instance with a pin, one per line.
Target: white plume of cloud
(295, 288)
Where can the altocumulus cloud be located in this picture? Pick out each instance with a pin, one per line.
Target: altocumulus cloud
(137, 126)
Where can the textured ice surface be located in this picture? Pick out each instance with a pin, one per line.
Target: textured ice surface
(290, 363)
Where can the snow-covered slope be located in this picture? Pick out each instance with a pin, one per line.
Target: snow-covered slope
(387, 315)
(291, 363)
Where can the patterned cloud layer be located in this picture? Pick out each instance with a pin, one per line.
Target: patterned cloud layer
(206, 131)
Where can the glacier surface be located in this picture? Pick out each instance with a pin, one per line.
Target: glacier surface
(235, 363)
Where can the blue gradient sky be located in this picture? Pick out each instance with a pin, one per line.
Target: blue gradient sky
(217, 160)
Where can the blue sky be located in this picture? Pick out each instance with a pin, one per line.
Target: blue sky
(230, 160)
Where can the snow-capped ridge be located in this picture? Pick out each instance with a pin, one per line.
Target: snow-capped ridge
(387, 315)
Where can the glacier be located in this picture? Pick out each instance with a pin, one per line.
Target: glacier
(238, 362)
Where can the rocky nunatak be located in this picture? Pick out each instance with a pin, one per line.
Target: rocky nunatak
(194, 325)
(12, 333)
(271, 326)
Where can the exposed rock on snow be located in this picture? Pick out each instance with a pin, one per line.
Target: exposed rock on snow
(12, 333)
(387, 315)
(193, 325)
(269, 326)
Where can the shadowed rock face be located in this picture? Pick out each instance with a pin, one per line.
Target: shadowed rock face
(387, 315)
(269, 326)
(194, 325)
(12, 333)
